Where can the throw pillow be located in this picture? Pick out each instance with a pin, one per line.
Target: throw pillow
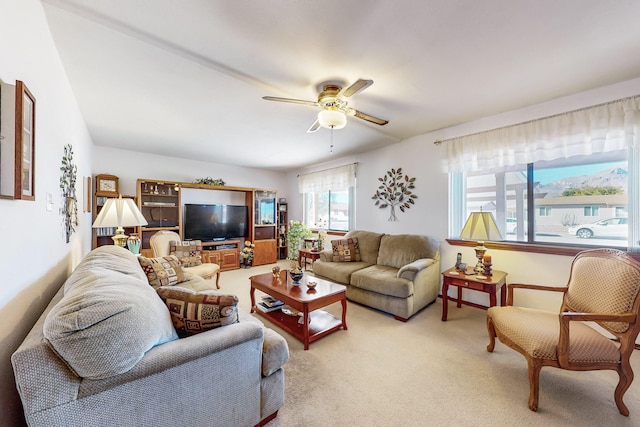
(345, 250)
(188, 252)
(194, 312)
(162, 271)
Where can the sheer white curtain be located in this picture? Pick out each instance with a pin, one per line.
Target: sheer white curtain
(336, 179)
(599, 129)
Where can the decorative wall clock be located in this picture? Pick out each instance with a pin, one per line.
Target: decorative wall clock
(395, 190)
(107, 185)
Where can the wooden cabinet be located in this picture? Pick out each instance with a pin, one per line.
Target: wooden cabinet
(225, 253)
(283, 229)
(264, 227)
(159, 202)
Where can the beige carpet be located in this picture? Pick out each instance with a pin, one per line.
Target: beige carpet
(382, 372)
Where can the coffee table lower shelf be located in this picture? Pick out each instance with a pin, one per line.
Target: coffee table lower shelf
(322, 323)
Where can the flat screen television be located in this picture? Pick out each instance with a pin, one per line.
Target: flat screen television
(215, 222)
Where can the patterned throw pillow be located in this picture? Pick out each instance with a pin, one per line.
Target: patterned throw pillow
(162, 271)
(194, 312)
(188, 252)
(345, 250)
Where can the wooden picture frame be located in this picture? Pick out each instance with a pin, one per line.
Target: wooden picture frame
(87, 194)
(25, 143)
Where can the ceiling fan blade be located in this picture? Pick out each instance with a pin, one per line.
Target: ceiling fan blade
(314, 127)
(357, 87)
(363, 116)
(294, 101)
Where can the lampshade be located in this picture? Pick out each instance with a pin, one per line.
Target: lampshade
(119, 213)
(480, 226)
(332, 119)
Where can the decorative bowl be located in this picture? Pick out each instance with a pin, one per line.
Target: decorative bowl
(296, 276)
(311, 285)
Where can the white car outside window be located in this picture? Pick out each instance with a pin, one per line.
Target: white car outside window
(611, 227)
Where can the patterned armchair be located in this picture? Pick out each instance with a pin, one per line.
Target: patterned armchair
(603, 288)
(189, 253)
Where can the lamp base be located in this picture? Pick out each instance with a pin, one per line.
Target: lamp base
(120, 239)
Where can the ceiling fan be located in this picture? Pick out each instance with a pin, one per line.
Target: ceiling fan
(334, 106)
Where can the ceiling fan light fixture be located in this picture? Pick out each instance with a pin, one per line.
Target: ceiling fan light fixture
(332, 119)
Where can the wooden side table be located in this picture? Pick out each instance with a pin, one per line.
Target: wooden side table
(490, 285)
(307, 254)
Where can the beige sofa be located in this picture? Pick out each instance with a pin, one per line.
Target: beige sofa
(105, 353)
(398, 274)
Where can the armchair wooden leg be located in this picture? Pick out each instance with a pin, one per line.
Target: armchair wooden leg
(534, 382)
(626, 377)
(218, 279)
(492, 335)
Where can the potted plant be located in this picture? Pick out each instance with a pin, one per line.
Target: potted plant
(247, 254)
(295, 236)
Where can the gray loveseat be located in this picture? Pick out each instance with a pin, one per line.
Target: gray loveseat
(398, 274)
(105, 353)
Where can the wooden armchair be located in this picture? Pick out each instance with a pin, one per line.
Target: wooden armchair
(603, 288)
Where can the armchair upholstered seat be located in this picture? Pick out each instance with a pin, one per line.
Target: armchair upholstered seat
(603, 288)
(166, 243)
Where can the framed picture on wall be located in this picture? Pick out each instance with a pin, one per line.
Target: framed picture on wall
(25, 140)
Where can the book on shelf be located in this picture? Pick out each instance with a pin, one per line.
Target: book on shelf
(266, 309)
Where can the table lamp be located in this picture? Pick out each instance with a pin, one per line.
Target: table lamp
(121, 213)
(480, 226)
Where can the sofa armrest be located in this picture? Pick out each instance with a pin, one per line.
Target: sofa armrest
(326, 255)
(275, 352)
(410, 270)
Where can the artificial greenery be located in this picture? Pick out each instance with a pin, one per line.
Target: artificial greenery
(395, 190)
(210, 181)
(69, 208)
(295, 236)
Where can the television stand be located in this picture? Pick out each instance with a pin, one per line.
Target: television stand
(225, 253)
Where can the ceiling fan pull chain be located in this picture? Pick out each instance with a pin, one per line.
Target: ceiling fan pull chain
(331, 147)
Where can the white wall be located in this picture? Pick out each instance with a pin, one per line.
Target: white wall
(419, 157)
(129, 166)
(35, 256)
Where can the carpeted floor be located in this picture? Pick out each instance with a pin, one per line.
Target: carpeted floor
(382, 372)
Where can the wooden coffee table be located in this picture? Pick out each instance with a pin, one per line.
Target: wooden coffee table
(316, 323)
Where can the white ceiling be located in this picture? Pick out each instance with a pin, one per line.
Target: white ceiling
(185, 78)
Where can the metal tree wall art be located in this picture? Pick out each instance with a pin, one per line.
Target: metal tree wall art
(69, 209)
(395, 190)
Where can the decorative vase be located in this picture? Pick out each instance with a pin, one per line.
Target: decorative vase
(133, 243)
(296, 276)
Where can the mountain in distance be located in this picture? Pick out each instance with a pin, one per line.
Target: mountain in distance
(613, 177)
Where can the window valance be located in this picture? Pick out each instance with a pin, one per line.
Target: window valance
(599, 129)
(336, 179)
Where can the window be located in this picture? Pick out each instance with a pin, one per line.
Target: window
(544, 211)
(565, 197)
(591, 211)
(329, 198)
(330, 209)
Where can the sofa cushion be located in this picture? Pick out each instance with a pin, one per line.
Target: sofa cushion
(345, 250)
(188, 252)
(383, 280)
(369, 244)
(162, 271)
(402, 249)
(194, 312)
(339, 272)
(106, 320)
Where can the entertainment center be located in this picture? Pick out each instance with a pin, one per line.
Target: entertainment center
(223, 227)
